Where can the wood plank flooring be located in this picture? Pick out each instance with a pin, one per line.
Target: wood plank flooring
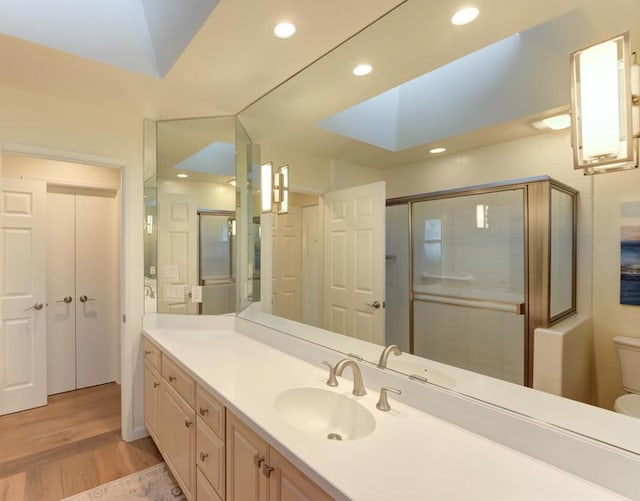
(68, 446)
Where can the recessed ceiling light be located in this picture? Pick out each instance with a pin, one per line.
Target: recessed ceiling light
(362, 69)
(435, 151)
(284, 29)
(557, 122)
(182, 175)
(465, 16)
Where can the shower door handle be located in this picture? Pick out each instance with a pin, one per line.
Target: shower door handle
(375, 304)
(84, 299)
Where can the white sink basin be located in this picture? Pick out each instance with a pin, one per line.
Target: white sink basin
(433, 375)
(325, 413)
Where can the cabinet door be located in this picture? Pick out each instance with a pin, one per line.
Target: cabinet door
(246, 452)
(287, 483)
(151, 400)
(178, 437)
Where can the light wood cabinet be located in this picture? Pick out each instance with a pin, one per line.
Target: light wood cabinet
(152, 390)
(258, 472)
(288, 483)
(178, 437)
(213, 454)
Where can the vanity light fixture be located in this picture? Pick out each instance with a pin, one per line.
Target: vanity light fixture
(149, 224)
(435, 151)
(284, 29)
(182, 175)
(604, 100)
(362, 70)
(274, 189)
(482, 216)
(465, 16)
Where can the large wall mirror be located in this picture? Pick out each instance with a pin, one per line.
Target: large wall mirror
(190, 221)
(364, 148)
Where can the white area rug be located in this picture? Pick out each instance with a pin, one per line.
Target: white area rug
(153, 484)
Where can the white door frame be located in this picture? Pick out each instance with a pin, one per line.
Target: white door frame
(131, 277)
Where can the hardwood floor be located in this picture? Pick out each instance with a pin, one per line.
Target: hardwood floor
(68, 446)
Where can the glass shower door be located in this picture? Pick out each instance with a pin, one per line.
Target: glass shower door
(468, 282)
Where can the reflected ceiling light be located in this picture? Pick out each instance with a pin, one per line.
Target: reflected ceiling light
(284, 29)
(556, 122)
(465, 16)
(182, 174)
(362, 69)
(604, 100)
(435, 151)
(232, 182)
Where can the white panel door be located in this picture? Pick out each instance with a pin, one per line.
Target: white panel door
(354, 271)
(23, 345)
(177, 252)
(97, 285)
(286, 264)
(61, 290)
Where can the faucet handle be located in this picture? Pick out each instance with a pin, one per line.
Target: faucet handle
(332, 381)
(383, 402)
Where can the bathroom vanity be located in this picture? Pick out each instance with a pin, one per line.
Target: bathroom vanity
(237, 418)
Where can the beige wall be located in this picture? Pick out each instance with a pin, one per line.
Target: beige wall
(49, 125)
(610, 318)
(598, 226)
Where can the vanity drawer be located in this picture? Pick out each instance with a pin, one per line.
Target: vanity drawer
(204, 490)
(179, 380)
(151, 353)
(210, 456)
(210, 411)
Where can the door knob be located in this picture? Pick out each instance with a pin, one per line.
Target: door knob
(375, 304)
(67, 299)
(35, 306)
(84, 299)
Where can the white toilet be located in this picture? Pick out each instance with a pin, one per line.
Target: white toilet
(629, 355)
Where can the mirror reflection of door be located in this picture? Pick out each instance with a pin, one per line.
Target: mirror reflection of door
(216, 243)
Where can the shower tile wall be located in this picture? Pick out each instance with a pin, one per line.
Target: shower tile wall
(466, 261)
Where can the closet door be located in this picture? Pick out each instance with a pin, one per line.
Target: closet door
(61, 285)
(97, 284)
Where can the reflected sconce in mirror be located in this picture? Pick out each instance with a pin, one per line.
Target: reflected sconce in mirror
(482, 216)
(274, 189)
(149, 224)
(605, 119)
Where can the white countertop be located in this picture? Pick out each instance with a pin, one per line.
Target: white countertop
(409, 455)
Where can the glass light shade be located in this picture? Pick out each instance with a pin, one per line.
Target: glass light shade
(283, 174)
(266, 187)
(601, 105)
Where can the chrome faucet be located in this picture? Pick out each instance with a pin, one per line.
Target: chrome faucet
(392, 348)
(358, 384)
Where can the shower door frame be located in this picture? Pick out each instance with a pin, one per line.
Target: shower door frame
(537, 252)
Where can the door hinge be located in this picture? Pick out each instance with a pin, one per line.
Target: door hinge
(124, 319)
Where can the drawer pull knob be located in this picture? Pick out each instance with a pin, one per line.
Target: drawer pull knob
(257, 460)
(203, 411)
(266, 470)
(156, 384)
(188, 423)
(147, 352)
(172, 378)
(203, 456)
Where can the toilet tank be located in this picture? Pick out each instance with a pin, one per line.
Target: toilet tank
(629, 354)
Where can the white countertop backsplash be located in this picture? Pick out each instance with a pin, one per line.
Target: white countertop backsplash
(410, 455)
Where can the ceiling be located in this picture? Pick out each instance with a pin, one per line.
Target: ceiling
(233, 60)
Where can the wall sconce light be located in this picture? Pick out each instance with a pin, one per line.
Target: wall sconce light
(149, 224)
(604, 137)
(274, 189)
(482, 216)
